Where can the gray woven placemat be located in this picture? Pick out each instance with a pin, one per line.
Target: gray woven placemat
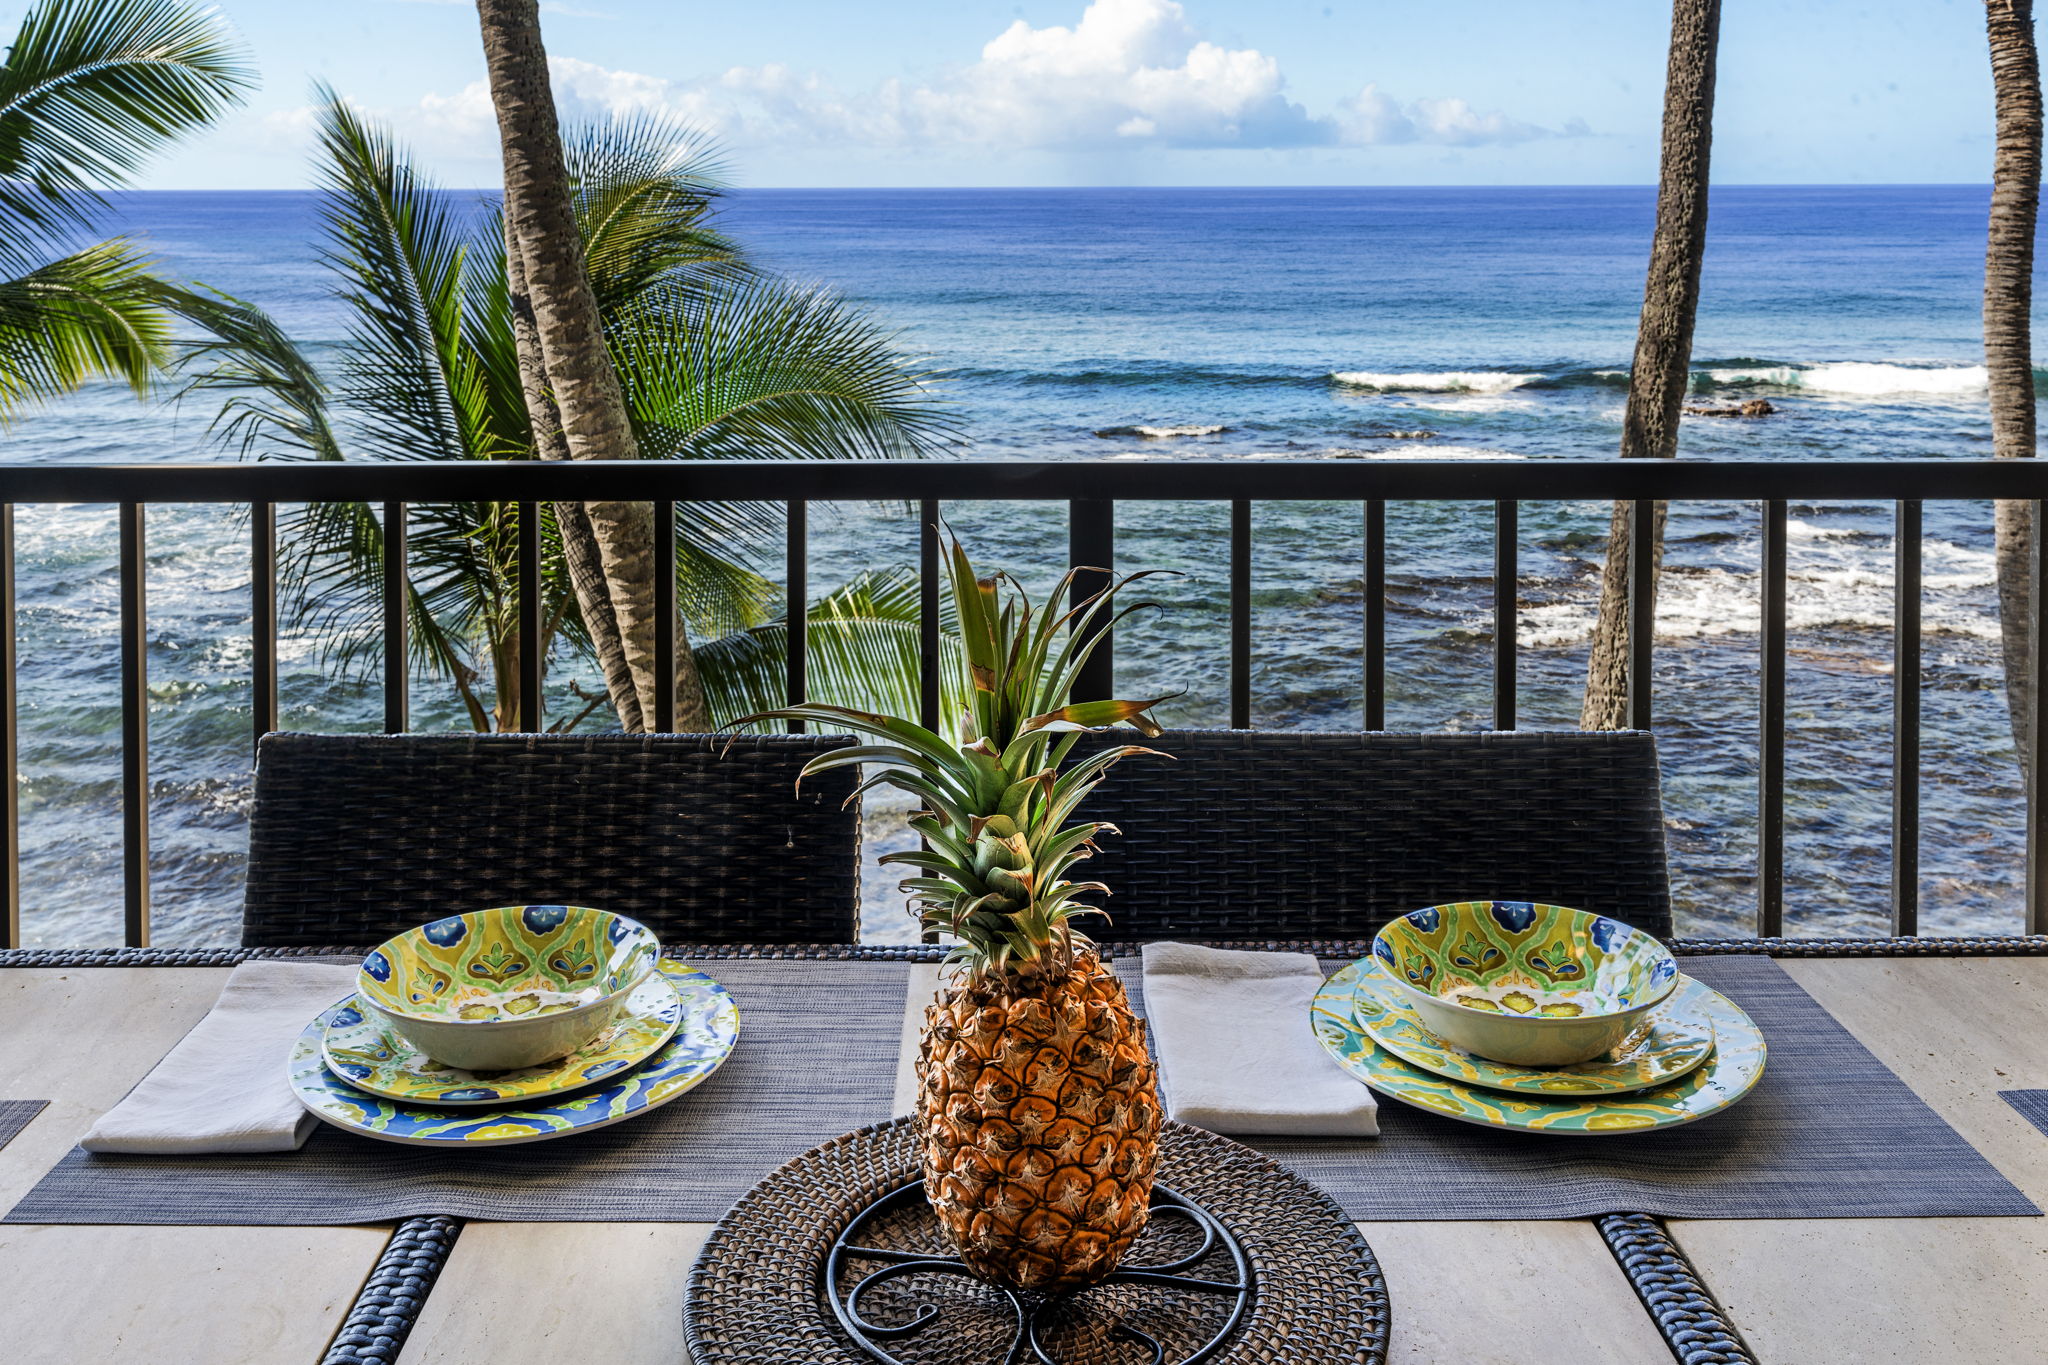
(2031, 1104)
(816, 1057)
(1829, 1132)
(15, 1116)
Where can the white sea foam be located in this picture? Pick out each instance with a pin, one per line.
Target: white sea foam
(1806, 532)
(1830, 584)
(1493, 404)
(1859, 378)
(1162, 433)
(1435, 381)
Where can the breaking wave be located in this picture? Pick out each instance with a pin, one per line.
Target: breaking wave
(1435, 381)
(1856, 378)
(1162, 433)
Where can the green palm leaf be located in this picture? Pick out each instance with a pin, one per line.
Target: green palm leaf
(401, 255)
(275, 401)
(862, 651)
(95, 312)
(753, 367)
(645, 188)
(91, 89)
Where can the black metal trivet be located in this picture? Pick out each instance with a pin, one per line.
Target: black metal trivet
(1179, 1293)
(759, 1293)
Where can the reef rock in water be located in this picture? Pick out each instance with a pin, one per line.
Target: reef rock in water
(1755, 407)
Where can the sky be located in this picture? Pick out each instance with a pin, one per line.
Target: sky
(817, 93)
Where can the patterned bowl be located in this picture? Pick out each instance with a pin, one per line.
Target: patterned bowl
(516, 986)
(1532, 985)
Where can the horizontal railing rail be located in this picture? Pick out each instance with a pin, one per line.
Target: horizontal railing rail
(1091, 489)
(995, 480)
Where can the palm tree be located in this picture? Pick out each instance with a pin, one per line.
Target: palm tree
(718, 360)
(572, 388)
(2008, 339)
(1663, 359)
(89, 90)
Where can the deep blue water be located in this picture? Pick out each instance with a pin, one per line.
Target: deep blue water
(1300, 324)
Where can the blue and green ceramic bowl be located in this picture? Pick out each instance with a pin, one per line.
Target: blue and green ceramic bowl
(1532, 985)
(515, 986)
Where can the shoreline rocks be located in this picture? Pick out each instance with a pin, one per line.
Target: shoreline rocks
(1755, 407)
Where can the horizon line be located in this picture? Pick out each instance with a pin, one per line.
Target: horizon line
(1129, 189)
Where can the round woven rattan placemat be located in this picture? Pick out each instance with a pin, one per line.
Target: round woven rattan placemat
(757, 1293)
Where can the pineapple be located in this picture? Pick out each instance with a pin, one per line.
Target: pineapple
(1038, 1110)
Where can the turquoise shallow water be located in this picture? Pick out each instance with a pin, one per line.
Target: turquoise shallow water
(1255, 324)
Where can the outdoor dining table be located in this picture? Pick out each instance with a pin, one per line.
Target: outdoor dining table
(77, 1030)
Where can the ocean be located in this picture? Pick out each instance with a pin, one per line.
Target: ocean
(1149, 325)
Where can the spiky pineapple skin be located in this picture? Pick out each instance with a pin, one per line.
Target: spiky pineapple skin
(1039, 1128)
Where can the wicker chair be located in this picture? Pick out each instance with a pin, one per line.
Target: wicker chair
(1271, 835)
(702, 837)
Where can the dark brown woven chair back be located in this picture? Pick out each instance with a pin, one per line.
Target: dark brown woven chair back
(1270, 835)
(704, 838)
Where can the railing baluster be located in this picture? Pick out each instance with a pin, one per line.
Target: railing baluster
(134, 729)
(1241, 614)
(1506, 584)
(928, 613)
(263, 616)
(1091, 547)
(796, 563)
(531, 601)
(1770, 822)
(1642, 608)
(2037, 817)
(928, 634)
(1375, 615)
(1906, 720)
(10, 798)
(664, 616)
(397, 663)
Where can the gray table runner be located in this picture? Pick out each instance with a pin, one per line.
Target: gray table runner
(2031, 1104)
(816, 1057)
(14, 1116)
(1829, 1132)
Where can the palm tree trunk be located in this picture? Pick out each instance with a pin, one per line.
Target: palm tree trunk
(1663, 359)
(610, 543)
(2008, 340)
(579, 543)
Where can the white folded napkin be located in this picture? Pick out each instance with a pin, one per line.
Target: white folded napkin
(1236, 1050)
(223, 1087)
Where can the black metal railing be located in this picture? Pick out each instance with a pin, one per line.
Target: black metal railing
(1091, 489)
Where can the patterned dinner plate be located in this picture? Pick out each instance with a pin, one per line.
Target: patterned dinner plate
(361, 1047)
(1674, 1041)
(1731, 1072)
(704, 1038)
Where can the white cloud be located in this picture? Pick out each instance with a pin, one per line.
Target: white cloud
(1128, 74)
(1372, 117)
(1129, 69)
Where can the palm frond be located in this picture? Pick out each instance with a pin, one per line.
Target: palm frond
(645, 187)
(330, 577)
(401, 256)
(96, 312)
(274, 401)
(492, 347)
(91, 88)
(861, 647)
(755, 367)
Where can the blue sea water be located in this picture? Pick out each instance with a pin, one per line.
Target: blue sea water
(1249, 324)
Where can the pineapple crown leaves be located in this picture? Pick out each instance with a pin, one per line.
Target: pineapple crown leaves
(996, 801)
